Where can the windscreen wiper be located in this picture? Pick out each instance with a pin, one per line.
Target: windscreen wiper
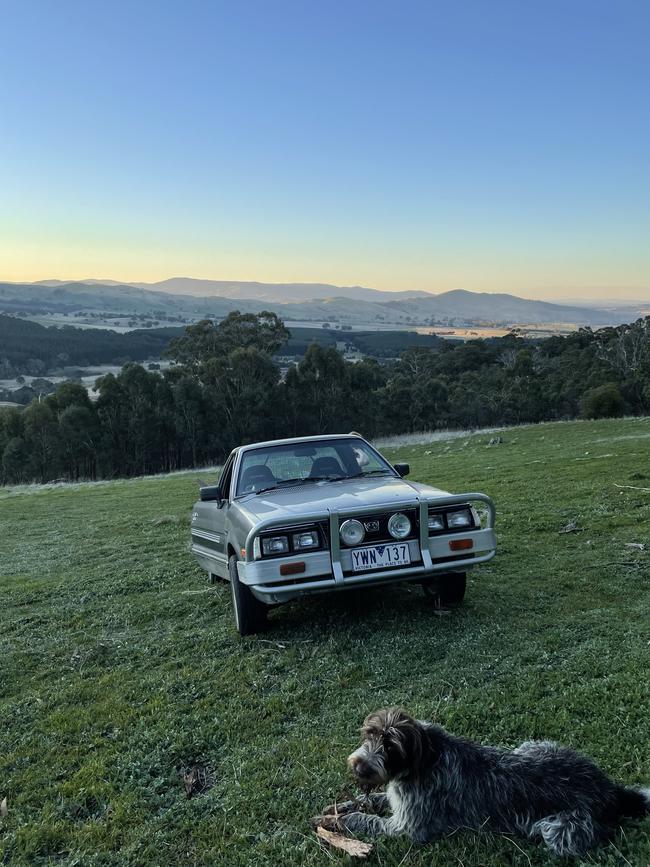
(369, 473)
(299, 481)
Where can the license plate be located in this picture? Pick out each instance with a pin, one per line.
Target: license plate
(380, 557)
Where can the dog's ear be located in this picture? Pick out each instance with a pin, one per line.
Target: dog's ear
(403, 738)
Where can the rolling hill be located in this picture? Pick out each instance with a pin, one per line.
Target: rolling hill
(274, 293)
(300, 302)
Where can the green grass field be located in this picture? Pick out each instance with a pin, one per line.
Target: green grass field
(119, 663)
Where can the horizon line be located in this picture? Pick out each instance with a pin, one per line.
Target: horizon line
(573, 302)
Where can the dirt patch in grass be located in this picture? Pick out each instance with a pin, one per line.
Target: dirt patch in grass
(197, 779)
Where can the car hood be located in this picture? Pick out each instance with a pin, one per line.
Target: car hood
(343, 495)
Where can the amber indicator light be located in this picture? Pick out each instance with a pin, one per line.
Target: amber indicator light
(461, 544)
(292, 568)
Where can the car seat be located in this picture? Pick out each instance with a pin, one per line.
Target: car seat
(326, 466)
(257, 477)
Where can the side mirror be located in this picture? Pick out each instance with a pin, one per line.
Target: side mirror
(210, 492)
(402, 470)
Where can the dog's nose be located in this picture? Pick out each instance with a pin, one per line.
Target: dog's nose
(357, 765)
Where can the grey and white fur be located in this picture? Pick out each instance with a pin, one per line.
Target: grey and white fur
(437, 783)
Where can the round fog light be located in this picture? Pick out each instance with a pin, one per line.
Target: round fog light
(399, 526)
(352, 532)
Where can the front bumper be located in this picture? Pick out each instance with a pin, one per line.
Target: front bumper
(331, 569)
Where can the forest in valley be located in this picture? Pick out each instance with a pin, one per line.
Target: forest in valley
(30, 349)
(225, 387)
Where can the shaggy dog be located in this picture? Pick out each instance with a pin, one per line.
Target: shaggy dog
(438, 783)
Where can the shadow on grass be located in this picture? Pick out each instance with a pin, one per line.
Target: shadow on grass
(374, 612)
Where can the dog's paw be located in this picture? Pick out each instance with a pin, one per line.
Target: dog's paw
(330, 822)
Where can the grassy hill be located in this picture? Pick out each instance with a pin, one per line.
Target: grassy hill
(119, 664)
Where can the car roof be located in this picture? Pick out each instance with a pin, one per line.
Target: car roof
(292, 440)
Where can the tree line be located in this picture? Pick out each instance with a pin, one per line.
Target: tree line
(225, 388)
(29, 348)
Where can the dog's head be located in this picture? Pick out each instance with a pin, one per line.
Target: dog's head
(393, 747)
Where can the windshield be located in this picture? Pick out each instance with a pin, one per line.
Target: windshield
(307, 462)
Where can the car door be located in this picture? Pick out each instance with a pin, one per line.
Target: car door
(220, 516)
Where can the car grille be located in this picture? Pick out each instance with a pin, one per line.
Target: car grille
(376, 526)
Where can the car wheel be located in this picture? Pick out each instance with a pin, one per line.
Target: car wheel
(447, 589)
(250, 613)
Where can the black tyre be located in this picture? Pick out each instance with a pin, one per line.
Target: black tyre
(447, 589)
(250, 613)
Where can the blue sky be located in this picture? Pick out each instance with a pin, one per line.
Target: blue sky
(494, 146)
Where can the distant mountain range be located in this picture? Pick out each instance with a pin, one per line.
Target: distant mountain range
(314, 302)
(281, 293)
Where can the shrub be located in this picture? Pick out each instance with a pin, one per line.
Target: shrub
(604, 401)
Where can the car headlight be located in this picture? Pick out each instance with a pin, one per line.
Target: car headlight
(436, 522)
(305, 541)
(461, 518)
(275, 545)
(352, 532)
(399, 526)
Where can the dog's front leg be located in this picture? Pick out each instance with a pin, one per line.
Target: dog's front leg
(358, 823)
(375, 802)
